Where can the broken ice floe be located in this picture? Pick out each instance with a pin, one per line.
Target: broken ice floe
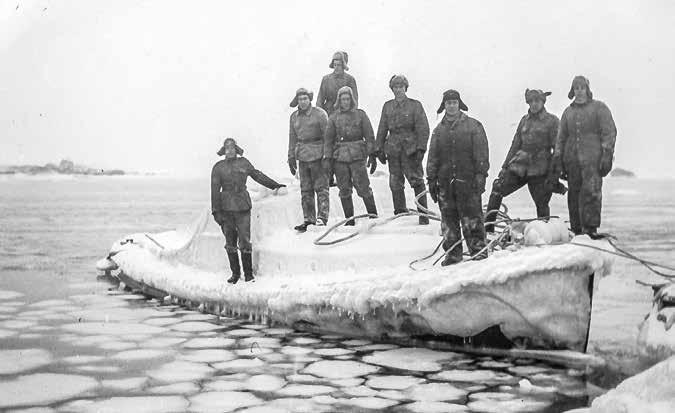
(334, 369)
(225, 401)
(195, 326)
(129, 384)
(136, 404)
(43, 388)
(305, 390)
(333, 351)
(393, 382)
(371, 402)
(416, 359)
(208, 355)
(239, 364)
(9, 295)
(436, 407)
(181, 371)
(184, 388)
(19, 360)
(113, 328)
(209, 342)
(474, 376)
(141, 354)
(436, 392)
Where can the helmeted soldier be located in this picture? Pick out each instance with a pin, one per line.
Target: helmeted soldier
(584, 153)
(332, 82)
(457, 165)
(350, 142)
(231, 205)
(402, 137)
(529, 159)
(305, 153)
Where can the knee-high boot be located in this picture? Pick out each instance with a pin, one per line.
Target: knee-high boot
(493, 206)
(348, 208)
(233, 257)
(371, 208)
(247, 263)
(422, 201)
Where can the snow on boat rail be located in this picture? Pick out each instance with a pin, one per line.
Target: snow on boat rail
(534, 298)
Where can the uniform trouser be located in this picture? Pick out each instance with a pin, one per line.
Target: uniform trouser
(460, 203)
(584, 200)
(404, 167)
(510, 183)
(237, 227)
(353, 175)
(313, 179)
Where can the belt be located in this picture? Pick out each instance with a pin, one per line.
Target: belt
(343, 139)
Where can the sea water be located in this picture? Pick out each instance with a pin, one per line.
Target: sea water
(72, 342)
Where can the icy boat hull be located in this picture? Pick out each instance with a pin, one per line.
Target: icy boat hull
(529, 298)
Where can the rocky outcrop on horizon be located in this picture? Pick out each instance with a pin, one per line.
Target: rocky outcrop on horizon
(65, 167)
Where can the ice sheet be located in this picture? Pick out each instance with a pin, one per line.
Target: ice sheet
(333, 369)
(140, 404)
(43, 388)
(393, 382)
(20, 360)
(225, 401)
(418, 359)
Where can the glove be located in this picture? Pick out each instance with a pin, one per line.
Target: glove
(218, 217)
(292, 166)
(372, 163)
(605, 164)
(280, 186)
(327, 165)
(480, 183)
(433, 190)
(419, 155)
(381, 156)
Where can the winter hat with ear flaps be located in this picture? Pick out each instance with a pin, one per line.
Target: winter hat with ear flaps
(580, 80)
(301, 91)
(340, 55)
(342, 91)
(531, 94)
(237, 148)
(398, 80)
(451, 95)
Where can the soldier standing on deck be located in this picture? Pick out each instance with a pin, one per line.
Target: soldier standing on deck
(402, 137)
(584, 153)
(231, 205)
(349, 143)
(305, 154)
(332, 82)
(457, 166)
(529, 159)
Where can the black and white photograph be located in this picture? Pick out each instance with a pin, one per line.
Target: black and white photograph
(337, 206)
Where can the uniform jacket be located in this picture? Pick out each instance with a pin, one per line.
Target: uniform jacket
(533, 145)
(330, 84)
(458, 150)
(406, 125)
(228, 184)
(349, 134)
(586, 131)
(306, 134)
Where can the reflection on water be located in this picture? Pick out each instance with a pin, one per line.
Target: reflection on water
(73, 344)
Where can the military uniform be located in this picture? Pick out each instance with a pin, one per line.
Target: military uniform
(330, 84)
(402, 136)
(528, 163)
(350, 142)
(585, 149)
(457, 164)
(306, 145)
(231, 207)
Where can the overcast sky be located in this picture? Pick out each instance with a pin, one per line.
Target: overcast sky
(157, 85)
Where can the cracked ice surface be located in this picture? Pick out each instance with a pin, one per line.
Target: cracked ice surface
(417, 359)
(181, 371)
(436, 407)
(194, 326)
(176, 388)
(9, 295)
(436, 392)
(480, 376)
(371, 402)
(209, 355)
(305, 390)
(16, 361)
(339, 369)
(505, 406)
(113, 328)
(139, 404)
(43, 388)
(209, 342)
(393, 382)
(225, 401)
(130, 384)
(141, 354)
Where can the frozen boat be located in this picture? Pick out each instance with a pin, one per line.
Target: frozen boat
(531, 297)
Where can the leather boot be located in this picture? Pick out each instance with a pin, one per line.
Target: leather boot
(371, 208)
(247, 263)
(233, 257)
(348, 208)
(422, 201)
(398, 196)
(494, 203)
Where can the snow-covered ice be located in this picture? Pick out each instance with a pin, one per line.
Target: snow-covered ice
(474, 376)
(185, 388)
(334, 369)
(161, 342)
(436, 407)
(359, 391)
(195, 326)
(240, 364)
(305, 390)
(129, 384)
(43, 388)
(82, 359)
(210, 342)
(9, 295)
(371, 402)
(115, 329)
(208, 355)
(436, 392)
(506, 406)
(181, 371)
(393, 382)
(225, 385)
(19, 360)
(333, 351)
(141, 354)
(295, 351)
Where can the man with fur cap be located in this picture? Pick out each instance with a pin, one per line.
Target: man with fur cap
(529, 159)
(305, 154)
(231, 205)
(402, 137)
(457, 165)
(332, 82)
(584, 153)
(349, 143)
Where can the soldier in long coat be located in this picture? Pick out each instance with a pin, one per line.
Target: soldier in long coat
(457, 165)
(350, 144)
(305, 154)
(529, 159)
(402, 137)
(584, 152)
(231, 205)
(332, 82)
